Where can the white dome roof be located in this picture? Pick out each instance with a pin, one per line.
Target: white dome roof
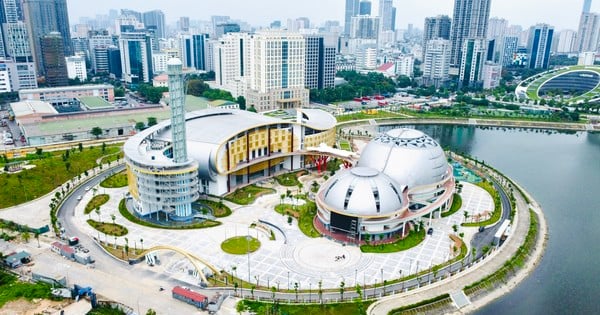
(362, 191)
(408, 156)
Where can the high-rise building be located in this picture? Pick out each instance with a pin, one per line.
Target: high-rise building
(352, 9)
(225, 28)
(5, 84)
(216, 20)
(587, 5)
(366, 57)
(53, 55)
(320, 61)
(436, 62)
(491, 75)
(588, 35)
(278, 65)
(473, 57)
(540, 42)
(76, 68)
(155, 19)
(510, 44)
(437, 27)
(232, 62)
(22, 74)
(470, 20)
(184, 24)
(135, 14)
(566, 41)
(365, 27)
(136, 56)
(275, 24)
(497, 28)
(364, 7)
(43, 17)
(114, 62)
(385, 14)
(193, 51)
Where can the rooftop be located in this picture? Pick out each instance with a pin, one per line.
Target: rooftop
(95, 102)
(67, 88)
(26, 108)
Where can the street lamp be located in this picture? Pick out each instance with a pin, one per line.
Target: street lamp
(288, 280)
(248, 237)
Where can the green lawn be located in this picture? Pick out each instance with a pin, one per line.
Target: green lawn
(456, 204)
(289, 179)
(240, 245)
(112, 158)
(248, 194)
(108, 228)
(219, 209)
(263, 308)
(49, 173)
(413, 239)
(127, 215)
(497, 206)
(345, 145)
(105, 310)
(361, 115)
(96, 202)
(11, 289)
(305, 215)
(116, 181)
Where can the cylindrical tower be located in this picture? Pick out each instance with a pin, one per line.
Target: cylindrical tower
(175, 72)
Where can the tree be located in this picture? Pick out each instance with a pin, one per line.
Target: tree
(37, 237)
(68, 165)
(152, 121)
(242, 102)
(252, 109)
(296, 290)
(342, 284)
(113, 217)
(103, 147)
(96, 131)
(80, 147)
(98, 213)
(26, 236)
(196, 87)
(151, 312)
(119, 92)
(139, 126)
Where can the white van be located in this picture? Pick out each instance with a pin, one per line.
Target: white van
(8, 141)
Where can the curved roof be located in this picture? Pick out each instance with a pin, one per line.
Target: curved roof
(363, 191)
(531, 86)
(317, 119)
(408, 156)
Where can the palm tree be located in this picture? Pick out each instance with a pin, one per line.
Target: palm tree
(296, 290)
(25, 236)
(37, 237)
(127, 246)
(113, 217)
(466, 214)
(321, 291)
(342, 284)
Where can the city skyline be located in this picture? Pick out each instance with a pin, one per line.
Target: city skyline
(554, 12)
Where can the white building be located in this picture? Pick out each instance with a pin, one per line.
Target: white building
(76, 67)
(491, 75)
(566, 41)
(136, 56)
(159, 62)
(232, 62)
(436, 62)
(4, 79)
(366, 57)
(364, 26)
(22, 74)
(472, 60)
(277, 72)
(405, 65)
(586, 58)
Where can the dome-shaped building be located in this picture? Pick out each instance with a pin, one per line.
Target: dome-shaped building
(402, 175)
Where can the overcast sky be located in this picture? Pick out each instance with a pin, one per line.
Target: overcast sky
(562, 14)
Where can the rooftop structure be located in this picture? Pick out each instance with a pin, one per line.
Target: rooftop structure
(584, 80)
(68, 92)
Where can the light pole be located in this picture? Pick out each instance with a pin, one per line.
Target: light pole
(355, 274)
(309, 292)
(288, 280)
(248, 248)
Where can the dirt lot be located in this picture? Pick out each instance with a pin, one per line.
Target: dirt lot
(24, 307)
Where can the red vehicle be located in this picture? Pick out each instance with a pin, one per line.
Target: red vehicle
(379, 97)
(358, 99)
(366, 98)
(382, 103)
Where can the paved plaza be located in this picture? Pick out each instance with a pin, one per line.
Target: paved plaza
(292, 257)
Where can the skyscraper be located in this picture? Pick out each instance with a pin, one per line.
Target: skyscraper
(320, 61)
(587, 5)
(437, 27)
(566, 41)
(540, 41)
(470, 20)
(588, 35)
(278, 65)
(352, 9)
(136, 56)
(436, 62)
(364, 7)
(193, 51)
(155, 19)
(43, 17)
(473, 56)
(386, 13)
(53, 54)
(365, 27)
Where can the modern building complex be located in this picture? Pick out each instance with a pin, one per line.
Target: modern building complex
(437, 27)
(136, 56)
(401, 177)
(574, 84)
(53, 55)
(436, 62)
(47, 94)
(228, 148)
(473, 56)
(193, 51)
(320, 62)
(352, 9)
(588, 33)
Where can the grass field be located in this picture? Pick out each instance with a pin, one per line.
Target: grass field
(289, 179)
(107, 228)
(248, 194)
(413, 239)
(11, 289)
(201, 225)
(304, 213)
(96, 201)
(497, 213)
(263, 308)
(361, 115)
(219, 209)
(240, 245)
(345, 145)
(48, 174)
(456, 205)
(116, 181)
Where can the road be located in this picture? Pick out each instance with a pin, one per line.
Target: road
(112, 278)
